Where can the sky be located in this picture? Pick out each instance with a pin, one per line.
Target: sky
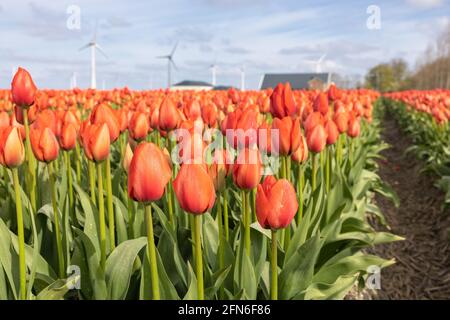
(262, 36)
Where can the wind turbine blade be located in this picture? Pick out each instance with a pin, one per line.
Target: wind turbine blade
(174, 48)
(162, 57)
(321, 58)
(173, 63)
(84, 47)
(101, 51)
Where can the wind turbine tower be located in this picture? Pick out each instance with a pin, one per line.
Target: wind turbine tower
(93, 45)
(170, 63)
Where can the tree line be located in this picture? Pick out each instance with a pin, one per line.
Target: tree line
(432, 70)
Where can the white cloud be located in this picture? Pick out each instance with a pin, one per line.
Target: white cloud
(425, 3)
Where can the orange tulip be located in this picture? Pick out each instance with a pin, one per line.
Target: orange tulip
(247, 169)
(128, 156)
(138, 126)
(341, 120)
(301, 154)
(44, 144)
(220, 168)
(282, 101)
(68, 137)
(288, 135)
(332, 132)
(148, 173)
(96, 141)
(12, 152)
(240, 128)
(321, 104)
(316, 138)
(276, 203)
(333, 93)
(23, 88)
(169, 116)
(265, 138)
(4, 119)
(354, 127)
(102, 113)
(194, 189)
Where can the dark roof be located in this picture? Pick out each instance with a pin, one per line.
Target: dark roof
(222, 87)
(192, 83)
(297, 80)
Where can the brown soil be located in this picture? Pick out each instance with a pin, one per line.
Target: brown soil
(422, 269)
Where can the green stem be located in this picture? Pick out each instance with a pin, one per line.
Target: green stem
(192, 225)
(350, 152)
(56, 218)
(199, 258)
(313, 172)
(328, 154)
(301, 182)
(339, 150)
(225, 214)
(20, 235)
(152, 253)
(130, 219)
(70, 185)
(274, 268)
(253, 202)
(221, 244)
(91, 172)
(322, 165)
(169, 202)
(31, 164)
(78, 163)
(111, 222)
(247, 218)
(101, 215)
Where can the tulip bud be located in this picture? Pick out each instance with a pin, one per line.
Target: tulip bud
(247, 169)
(169, 116)
(23, 89)
(102, 113)
(276, 203)
(354, 127)
(96, 142)
(288, 135)
(44, 144)
(148, 173)
(301, 154)
(282, 101)
(138, 126)
(321, 103)
(220, 168)
(127, 157)
(194, 189)
(332, 132)
(341, 120)
(12, 152)
(68, 137)
(316, 138)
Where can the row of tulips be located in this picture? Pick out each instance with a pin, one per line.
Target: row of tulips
(424, 116)
(233, 195)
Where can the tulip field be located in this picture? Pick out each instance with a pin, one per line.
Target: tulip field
(424, 115)
(217, 195)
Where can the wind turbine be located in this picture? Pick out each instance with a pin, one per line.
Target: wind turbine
(242, 69)
(213, 68)
(319, 62)
(73, 80)
(170, 62)
(93, 45)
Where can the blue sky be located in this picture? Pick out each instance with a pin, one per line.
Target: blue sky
(262, 35)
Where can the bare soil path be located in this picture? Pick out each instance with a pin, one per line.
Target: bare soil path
(422, 270)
